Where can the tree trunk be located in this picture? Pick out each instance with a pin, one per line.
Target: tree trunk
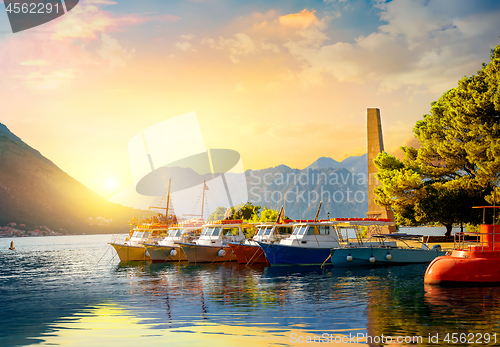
(449, 227)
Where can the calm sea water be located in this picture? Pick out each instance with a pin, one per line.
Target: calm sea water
(72, 290)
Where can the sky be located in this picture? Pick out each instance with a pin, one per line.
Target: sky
(280, 82)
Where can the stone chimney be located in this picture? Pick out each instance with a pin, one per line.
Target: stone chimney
(375, 146)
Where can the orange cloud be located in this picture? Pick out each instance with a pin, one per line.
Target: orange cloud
(410, 142)
(87, 20)
(302, 20)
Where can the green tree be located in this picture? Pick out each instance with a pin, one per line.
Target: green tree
(218, 214)
(458, 163)
(244, 211)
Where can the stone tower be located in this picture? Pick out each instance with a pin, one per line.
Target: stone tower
(375, 146)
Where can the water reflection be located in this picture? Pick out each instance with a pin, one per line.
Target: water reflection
(58, 293)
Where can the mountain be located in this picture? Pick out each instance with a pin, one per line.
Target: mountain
(35, 192)
(325, 162)
(342, 192)
(355, 164)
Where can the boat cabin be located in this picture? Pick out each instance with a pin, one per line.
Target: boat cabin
(269, 232)
(179, 234)
(219, 234)
(316, 234)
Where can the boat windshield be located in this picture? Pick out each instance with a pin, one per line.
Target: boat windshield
(261, 231)
(300, 230)
(318, 230)
(174, 233)
(211, 231)
(268, 231)
(137, 234)
(141, 234)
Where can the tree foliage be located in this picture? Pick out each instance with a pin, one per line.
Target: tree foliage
(247, 212)
(458, 163)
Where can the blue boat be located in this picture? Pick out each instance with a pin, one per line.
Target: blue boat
(292, 255)
(311, 242)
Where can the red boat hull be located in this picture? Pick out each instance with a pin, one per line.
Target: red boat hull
(247, 254)
(477, 264)
(464, 267)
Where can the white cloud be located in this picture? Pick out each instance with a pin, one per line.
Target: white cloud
(185, 46)
(241, 45)
(420, 46)
(112, 53)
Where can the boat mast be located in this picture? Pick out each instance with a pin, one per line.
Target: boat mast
(168, 199)
(203, 198)
(317, 213)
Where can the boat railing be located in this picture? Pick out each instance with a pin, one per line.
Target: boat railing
(120, 238)
(476, 241)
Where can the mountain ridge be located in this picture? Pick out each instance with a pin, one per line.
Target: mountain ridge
(35, 192)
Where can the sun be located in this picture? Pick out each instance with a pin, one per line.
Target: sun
(111, 183)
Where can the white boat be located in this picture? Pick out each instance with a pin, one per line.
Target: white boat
(212, 245)
(131, 248)
(168, 249)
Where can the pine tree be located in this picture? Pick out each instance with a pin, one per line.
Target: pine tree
(458, 163)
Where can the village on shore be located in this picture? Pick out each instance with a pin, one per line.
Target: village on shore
(20, 230)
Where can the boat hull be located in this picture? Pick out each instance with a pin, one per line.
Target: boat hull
(159, 253)
(248, 254)
(130, 253)
(464, 267)
(206, 254)
(278, 254)
(360, 256)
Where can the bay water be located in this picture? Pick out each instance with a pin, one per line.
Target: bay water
(73, 291)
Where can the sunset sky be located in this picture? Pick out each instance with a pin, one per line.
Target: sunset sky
(281, 82)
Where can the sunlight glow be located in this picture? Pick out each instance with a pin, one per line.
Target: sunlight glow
(111, 183)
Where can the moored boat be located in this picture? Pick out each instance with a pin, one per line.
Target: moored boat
(391, 249)
(167, 249)
(310, 243)
(131, 248)
(472, 262)
(212, 245)
(249, 251)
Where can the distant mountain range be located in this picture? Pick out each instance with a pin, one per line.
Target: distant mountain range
(340, 186)
(355, 164)
(35, 192)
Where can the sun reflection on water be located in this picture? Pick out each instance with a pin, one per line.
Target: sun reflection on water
(111, 324)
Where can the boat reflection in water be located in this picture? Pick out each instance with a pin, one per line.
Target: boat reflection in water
(371, 302)
(158, 304)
